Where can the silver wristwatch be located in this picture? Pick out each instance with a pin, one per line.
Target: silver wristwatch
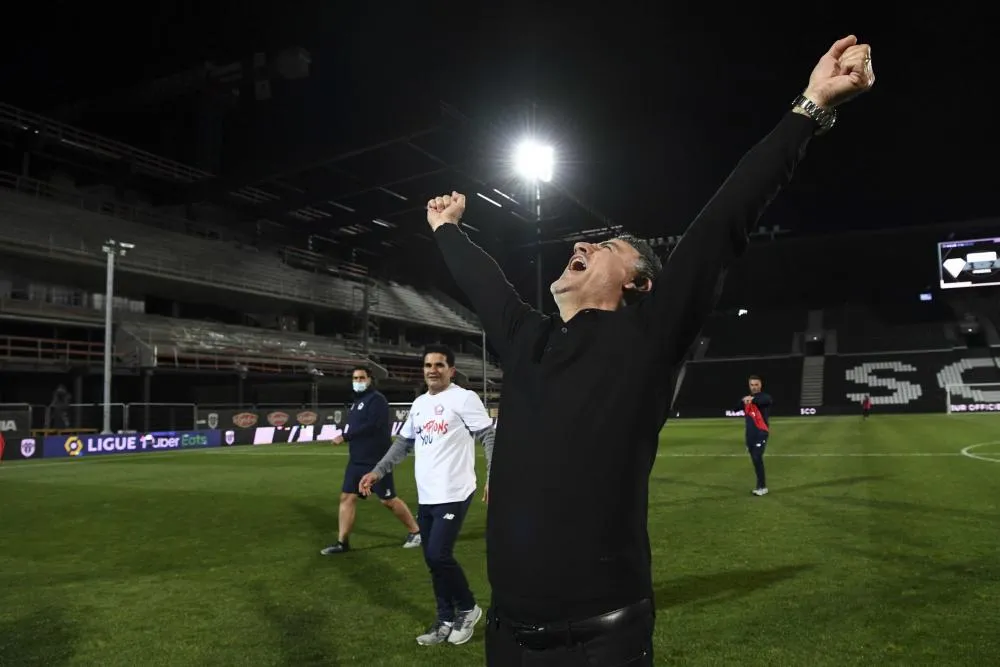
(825, 118)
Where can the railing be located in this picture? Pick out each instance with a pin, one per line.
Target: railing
(314, 261)
(173, 357)
(76, 418)
(94, 143)
(405, 373)
(51, 351)
(48, 310)
(87, 202)
(161, 416)
(89, 418)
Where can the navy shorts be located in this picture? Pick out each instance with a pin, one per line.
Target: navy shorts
(384, 489)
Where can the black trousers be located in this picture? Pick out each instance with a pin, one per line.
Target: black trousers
(439, 527)
(757, 446)
(618, 639)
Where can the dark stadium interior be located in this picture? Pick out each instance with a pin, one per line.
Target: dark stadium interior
(279, 225)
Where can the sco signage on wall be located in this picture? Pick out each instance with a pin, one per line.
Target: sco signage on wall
(803, 412)
(903, 381)
(77, 446)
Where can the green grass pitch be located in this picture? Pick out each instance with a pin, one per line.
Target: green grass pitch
(878, 545)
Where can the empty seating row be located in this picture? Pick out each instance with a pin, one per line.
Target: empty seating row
(192, 343)
(754, 333)
(72, 226)
(892, 327)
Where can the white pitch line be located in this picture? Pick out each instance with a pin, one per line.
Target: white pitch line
(819, 454)
(967, 451)
(271, 450)
(284, 449)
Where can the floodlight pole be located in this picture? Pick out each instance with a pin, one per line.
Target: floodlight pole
(537, 195)
(111, 248)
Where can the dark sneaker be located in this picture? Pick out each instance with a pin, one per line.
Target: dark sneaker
(338, 548)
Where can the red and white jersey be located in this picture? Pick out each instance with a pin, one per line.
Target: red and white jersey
(441, 426)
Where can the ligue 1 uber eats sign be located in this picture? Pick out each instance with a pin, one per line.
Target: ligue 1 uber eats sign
(91, 445)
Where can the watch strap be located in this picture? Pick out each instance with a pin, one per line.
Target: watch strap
(825, 118)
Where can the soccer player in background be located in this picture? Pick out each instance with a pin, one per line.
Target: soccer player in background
(866, 407)
(445, 420)
(756, 409)
(368, 436)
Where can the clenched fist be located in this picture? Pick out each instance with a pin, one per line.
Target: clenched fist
(844, 72)
(447, 209)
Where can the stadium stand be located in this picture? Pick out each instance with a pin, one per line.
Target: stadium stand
(179, 343)
(824, 320)
(881, 328)
(759, 332)
(70, 226)
(892, 327)
(712, 388)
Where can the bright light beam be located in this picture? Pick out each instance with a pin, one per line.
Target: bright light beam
(534, 161)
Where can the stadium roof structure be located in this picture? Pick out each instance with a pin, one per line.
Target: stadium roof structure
(364, 191)
(372, 196)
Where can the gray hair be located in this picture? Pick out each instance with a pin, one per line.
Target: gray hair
(649, 265)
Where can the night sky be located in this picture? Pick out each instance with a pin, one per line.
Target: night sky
(653, 106)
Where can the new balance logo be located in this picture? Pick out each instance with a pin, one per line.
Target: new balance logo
(448, 517)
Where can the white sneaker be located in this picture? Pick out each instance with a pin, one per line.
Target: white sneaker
(760, 492)
(413, 540)
(465, 622)
(436, 634)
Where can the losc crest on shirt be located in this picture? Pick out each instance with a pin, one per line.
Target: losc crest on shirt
(441, 425)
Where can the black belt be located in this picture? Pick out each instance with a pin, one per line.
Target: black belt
(572, 632)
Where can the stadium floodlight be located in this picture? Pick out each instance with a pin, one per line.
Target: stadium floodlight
(534, 161)
(112, 249)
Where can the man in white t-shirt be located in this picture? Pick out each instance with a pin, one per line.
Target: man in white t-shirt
(440, 429)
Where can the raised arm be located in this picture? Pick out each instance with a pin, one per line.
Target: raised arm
(685, 292)
(499, 307)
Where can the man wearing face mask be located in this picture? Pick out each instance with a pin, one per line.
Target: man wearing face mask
(368, 436)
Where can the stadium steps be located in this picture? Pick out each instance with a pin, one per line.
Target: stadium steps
(812, 382)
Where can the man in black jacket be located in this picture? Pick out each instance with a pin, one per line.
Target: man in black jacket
(368, 434)
(586, 393)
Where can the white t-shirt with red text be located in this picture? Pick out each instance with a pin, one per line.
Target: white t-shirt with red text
(441, 426)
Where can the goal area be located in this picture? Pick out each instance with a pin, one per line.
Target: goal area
(972, 398)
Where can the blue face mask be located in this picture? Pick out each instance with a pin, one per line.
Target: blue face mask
(359, 387)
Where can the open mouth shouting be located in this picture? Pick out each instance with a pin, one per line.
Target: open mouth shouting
(577, 263)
